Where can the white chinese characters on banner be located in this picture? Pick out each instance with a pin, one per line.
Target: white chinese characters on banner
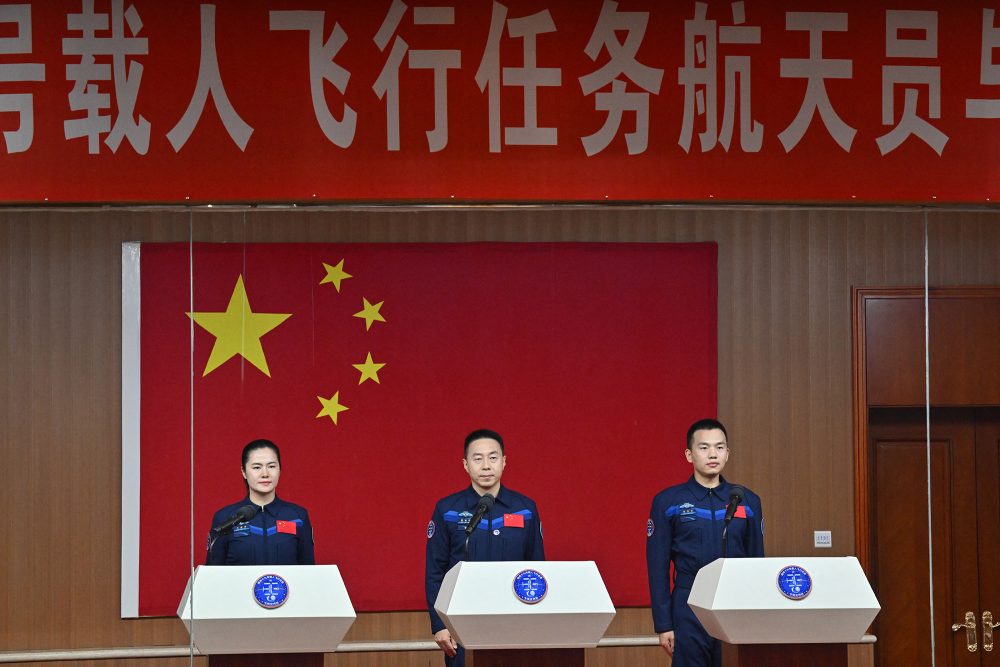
(107, 47)
(529, 77)
(622, 61)
(322, 67)
(816, 70)
(923, 76)
(437, 60)
(209, 83)
(126, 71)
(700, 79)
(19, 140)
(989, 71)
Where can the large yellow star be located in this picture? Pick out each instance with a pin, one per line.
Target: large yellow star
(238, 330)
(331, 407)
(370, 313)
(335, 274)
(369, 370)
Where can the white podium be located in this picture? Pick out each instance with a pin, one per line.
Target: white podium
(223, 616)
(479, 605)
(740, 601)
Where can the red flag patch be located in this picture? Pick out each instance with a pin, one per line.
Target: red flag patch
(741, 512)
(289, 527)
(513, 520)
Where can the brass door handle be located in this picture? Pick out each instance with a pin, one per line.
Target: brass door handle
(970, 631)
(988, 626)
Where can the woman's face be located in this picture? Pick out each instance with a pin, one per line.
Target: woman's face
(262, 471)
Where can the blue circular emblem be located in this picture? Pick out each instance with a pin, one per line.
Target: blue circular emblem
(650, 527)
(430, 529)
(794, 582)
(530, 586)
(270, 591)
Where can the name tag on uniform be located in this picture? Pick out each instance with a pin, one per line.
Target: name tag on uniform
(289, 527)
(513, 520)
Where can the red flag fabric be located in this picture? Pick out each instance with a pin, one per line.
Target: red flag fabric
(741, 512)
(289, 527)
(368, 364)
(513, 520)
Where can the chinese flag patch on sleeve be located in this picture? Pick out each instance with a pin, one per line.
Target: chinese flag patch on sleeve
(513, 520)
(289, 527)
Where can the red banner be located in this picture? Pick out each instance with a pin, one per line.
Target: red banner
(368, 364)
(579, 100)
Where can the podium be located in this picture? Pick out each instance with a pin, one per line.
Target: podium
(525, 612)
(273, 615)
(785, 611)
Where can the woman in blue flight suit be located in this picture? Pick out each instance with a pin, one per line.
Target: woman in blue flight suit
(279, 533)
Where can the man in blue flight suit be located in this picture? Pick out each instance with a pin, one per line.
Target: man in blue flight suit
(685, 528)
(511, 530)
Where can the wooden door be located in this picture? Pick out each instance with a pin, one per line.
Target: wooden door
(965, 528)
(988, 506)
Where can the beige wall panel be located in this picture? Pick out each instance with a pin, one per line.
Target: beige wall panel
(785, 276)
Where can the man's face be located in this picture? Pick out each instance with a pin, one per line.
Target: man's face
(709, 453)
(484, 461)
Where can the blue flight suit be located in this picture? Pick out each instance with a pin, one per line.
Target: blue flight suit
(685, 527)
(262, 541)
(499, 536)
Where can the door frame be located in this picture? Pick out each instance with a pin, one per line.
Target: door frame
(859, 364)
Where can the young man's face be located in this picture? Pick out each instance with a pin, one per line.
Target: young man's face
(484, 461)
(708, 454)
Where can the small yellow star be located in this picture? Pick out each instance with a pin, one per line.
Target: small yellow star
(369, 370)
(370, 313)
(238, 330)
(331, 407)
(335, 274)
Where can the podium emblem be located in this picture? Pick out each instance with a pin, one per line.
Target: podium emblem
(794, 582)
(270, 591)
(530, 586)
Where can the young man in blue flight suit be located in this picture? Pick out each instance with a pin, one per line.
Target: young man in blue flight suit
(685, 528)
(512, 530)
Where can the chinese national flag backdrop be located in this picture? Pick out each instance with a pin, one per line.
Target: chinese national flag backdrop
(590, 359)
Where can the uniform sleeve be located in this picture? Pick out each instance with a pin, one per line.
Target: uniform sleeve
(535, 548)
(658, 543)
(436, 564)
(754, 538)
(306, 555)
(215, 553)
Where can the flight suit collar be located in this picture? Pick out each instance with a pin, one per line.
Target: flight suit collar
(271, 508)
(701, 492)
(473, 497)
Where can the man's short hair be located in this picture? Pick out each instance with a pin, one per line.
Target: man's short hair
(481, 433)
(704, 425)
